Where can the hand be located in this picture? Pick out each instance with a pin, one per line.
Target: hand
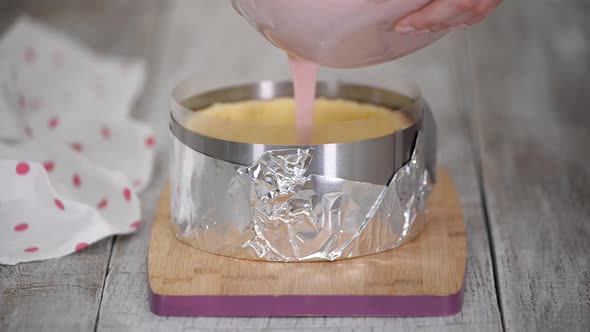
(440, 15)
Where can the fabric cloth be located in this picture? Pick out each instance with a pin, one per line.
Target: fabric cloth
(71, 158)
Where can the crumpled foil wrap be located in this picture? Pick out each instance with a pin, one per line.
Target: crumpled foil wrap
(273, 210)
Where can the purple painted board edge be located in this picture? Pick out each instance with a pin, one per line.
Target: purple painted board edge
(306, 305)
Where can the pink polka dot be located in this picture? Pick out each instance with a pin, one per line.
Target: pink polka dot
(53, 122)
(31, 249)
(29, 55)
(21, 227)
(102, 204)
(48, 165)
(59, 204)
(105, 132)
(81, 246)
(28, 131)
(137, 183)
(136, 224)
(150, 141)
(77, 147)
(22, 168)
(127, 194)
(76, 180)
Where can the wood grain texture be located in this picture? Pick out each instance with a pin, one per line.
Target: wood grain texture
(181, 36)
(54, 295)
(531, 116)
(190, 36)
(524, 86)
(431, 264)
(64, 294)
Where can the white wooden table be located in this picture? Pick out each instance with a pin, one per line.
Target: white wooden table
(511, 97)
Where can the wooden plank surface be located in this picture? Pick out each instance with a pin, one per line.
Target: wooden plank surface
(54, 295)
(531, 114)
(208, 40)
(64, 294)
(520, 78)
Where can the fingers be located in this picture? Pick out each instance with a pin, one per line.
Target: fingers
(432, 16)
(440, 15)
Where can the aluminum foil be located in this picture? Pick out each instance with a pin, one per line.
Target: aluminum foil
(274, 210)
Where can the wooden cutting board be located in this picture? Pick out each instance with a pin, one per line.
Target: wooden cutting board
(422, 278)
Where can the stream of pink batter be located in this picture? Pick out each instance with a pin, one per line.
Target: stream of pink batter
(304, 82)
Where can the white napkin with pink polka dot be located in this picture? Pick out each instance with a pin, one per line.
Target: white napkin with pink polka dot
(71, 158)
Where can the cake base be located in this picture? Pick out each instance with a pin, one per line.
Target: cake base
(425, 277)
